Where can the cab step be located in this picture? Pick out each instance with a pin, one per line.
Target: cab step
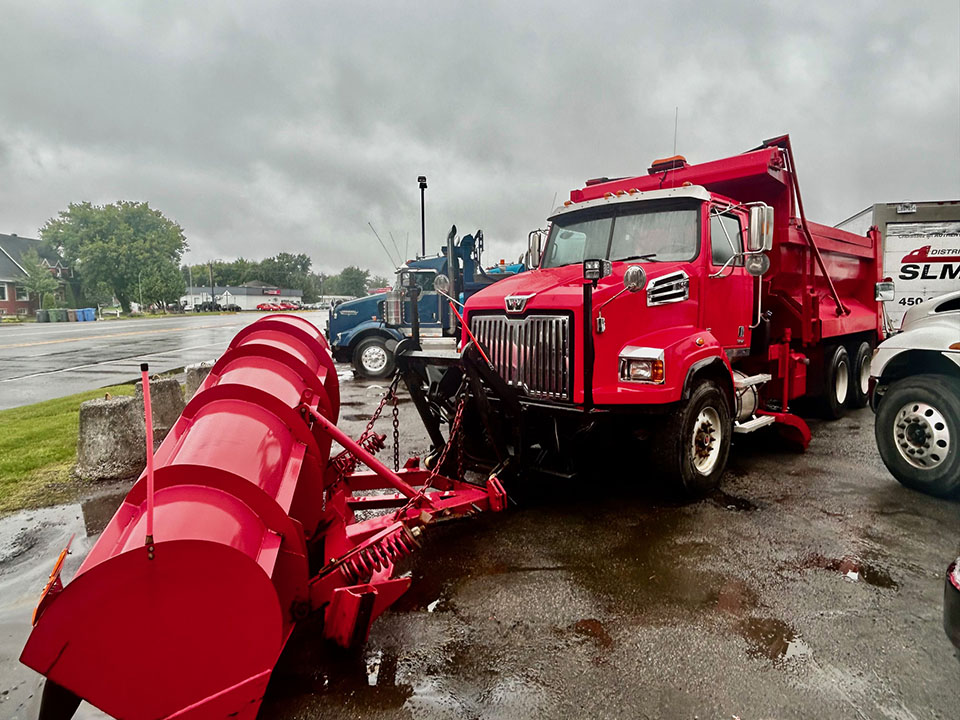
(751, 380)
(754, 423)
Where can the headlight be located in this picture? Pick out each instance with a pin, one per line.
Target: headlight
(641, 365)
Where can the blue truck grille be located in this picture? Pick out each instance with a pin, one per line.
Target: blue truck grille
(532, 353)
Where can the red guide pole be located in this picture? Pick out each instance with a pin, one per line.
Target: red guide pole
(148, 418)
(472, 337)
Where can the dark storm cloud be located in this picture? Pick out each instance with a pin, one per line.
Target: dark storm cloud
(264, 127)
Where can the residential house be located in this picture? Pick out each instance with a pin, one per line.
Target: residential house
(14, 299)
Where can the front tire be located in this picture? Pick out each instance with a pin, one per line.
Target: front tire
(918, 433)
(373, 359)
(692, 447)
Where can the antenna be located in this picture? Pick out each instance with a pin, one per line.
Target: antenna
(406, 244)
(390, 257)
(676, 123)
(395, 246)
(553, 206)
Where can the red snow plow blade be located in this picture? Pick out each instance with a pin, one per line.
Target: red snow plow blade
(254, 528)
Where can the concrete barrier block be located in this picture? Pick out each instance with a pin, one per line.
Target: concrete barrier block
(166, 398)
(196, 374)
(111, 444)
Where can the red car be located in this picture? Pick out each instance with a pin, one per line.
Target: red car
(269, 306)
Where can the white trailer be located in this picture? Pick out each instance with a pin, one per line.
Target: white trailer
(921, 250)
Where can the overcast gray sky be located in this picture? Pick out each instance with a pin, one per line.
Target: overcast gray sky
(286, 126)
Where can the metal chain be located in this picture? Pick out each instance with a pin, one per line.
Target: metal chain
(451, 440)
(390, 393)
(346, 462)
(396, 433)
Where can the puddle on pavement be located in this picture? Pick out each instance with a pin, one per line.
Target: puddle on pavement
(731, 502)
(315, 674)
(594, 630)
(772, 639)
(850, 568)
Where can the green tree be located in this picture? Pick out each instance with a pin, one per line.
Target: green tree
(351, 281)
(375, 282)
(109, 246)
(39, 282)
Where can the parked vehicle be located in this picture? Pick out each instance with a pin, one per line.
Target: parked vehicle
(951, 603)
(916, 395)
(366, 331)
(683, 306)
(208, 307)
(921, 250)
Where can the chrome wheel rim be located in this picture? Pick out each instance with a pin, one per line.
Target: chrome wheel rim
(373, 358)
(921, 435)
(706, 441)
(841, 382)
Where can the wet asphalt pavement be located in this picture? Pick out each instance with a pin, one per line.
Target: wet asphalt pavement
(811, 587)
(41, 361)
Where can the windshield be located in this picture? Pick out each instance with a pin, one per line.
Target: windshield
(625, 233)
(423, 278)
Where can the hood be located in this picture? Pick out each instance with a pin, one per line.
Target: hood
(562, 287)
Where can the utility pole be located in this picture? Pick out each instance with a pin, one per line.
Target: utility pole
(423, 227)
(213, 301)
(140, 286)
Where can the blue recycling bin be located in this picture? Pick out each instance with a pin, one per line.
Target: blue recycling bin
(89, 314)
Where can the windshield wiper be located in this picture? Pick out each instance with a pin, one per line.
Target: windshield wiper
(648, 256)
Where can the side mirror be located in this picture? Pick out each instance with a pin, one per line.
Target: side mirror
(441, 283)
(634, 278)
(760, 236)
(533, 249)
(884, 292)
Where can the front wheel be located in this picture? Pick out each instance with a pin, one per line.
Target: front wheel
(692, 446)
(918, 433)
(373, 359)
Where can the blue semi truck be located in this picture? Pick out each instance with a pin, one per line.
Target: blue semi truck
(359, 331)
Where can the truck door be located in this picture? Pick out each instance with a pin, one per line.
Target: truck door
(726, 305)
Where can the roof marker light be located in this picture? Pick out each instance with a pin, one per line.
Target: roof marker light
(608, 195)
(567, 203)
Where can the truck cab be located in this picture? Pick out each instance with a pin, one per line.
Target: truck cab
(366, 331)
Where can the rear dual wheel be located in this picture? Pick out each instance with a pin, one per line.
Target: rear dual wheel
(836, 382)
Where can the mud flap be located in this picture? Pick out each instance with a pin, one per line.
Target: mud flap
(792, 428)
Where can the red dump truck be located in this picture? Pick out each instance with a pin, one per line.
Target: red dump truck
(685, 306)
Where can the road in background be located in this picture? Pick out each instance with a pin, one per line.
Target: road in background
(45, 361)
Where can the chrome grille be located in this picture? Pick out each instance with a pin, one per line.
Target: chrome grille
(532, 352)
